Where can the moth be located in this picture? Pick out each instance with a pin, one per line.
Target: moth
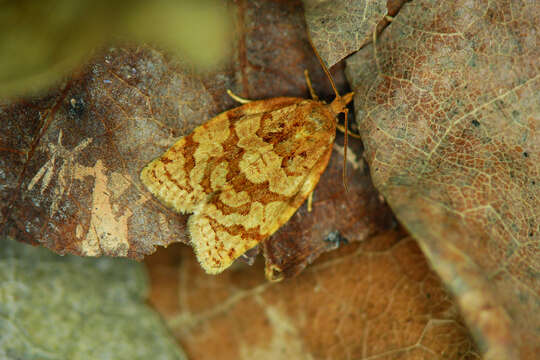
(245, 172)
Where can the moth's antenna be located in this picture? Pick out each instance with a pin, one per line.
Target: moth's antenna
(322, 64)
(345, 110)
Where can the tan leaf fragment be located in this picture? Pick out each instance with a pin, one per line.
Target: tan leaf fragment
(448, 108)
(339, 28)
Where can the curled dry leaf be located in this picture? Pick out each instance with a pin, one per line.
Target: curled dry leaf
(339, 28)
(376, 299)
(447, 104)
(71, 160)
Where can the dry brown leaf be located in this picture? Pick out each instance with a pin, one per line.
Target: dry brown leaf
(339, 28)
(377, 299)
(448, 107)
(73, 157)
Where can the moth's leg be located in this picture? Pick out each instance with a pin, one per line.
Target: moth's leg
(241, 100)
(351, 134)
(314, 97)
(308, 82)
(310, 201)
(345, 148)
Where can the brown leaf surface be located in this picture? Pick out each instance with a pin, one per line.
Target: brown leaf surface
(74, 156)
(448, 108)
(72, 159)
(374, 299)
(339, 28)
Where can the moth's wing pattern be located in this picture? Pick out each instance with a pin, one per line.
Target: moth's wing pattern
(181, 178)
(175, 178)
(221, 232)
(243, 174)
(278, 160)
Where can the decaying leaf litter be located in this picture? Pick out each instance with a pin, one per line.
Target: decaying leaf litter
(450, 123)
(138, 101)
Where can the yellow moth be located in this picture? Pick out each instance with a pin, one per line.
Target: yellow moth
(245, 172)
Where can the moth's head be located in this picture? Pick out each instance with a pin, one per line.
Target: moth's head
(340, 103)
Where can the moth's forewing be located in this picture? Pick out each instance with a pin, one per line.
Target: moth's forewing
(243, 174)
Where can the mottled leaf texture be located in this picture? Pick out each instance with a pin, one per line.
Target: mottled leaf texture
(448, 106)
(70, 161)
(373, 300)
(55, 307)
(339, 28)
